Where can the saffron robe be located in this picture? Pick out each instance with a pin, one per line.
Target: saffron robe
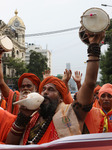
(93, 120)
(64, 123)
(13, 96)
(6, 120)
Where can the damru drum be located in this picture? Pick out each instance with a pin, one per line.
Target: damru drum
(94, 21)
(6, 43)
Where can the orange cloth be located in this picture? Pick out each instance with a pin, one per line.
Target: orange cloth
(60, 85)
(97, 88)
(105, 125)
(96, 104)
(32, 77)
(6, 120)
(68, 99)
(48, 136)
(10, 107)
(3, 104)
(106, 88)
(93, 120)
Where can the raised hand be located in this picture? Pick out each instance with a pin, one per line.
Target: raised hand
(96, 38)
(67, 75)
(46, 74)
(77, 78)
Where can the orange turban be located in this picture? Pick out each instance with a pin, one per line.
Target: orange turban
(32, 77)
(106, 88)
(60, 85)
(97, 88)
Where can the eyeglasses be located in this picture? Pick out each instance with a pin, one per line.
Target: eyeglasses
(27, 85)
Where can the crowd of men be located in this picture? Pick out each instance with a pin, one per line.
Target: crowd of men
(59, 115)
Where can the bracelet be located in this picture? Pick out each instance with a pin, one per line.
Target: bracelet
(93, 60)
(94, 49)
(22, 120)
(85, 108)
(17, 131)
(92, 55)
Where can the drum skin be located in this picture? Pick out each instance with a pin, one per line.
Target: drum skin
(93, 20)
(6, 43)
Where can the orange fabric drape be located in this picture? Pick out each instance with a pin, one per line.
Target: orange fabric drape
(68, 99)
(3, 104)
(96, 104)
(105, 125)
(9, 100)
(6, 120)
(93, 120)
(49, 135)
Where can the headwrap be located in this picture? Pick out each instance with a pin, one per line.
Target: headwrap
(106, 88)
(97, 88)
(60, 85)
(32, 77)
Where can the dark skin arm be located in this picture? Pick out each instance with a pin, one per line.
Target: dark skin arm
(85, 93)
(3, 86)
(15, 139)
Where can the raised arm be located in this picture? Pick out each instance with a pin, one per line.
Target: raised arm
(85, 93)
(66, 77)
(3, 86)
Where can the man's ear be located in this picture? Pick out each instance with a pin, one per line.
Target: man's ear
(37, 89)
(60, 99)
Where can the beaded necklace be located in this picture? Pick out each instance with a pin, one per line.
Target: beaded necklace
(41, 131)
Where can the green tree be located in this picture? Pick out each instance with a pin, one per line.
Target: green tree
(18, 65)
(106, 58)
(38, 64)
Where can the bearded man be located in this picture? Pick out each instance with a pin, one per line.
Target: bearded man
(55, 119)
(27, 83)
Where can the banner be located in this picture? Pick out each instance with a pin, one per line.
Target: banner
(98, 141)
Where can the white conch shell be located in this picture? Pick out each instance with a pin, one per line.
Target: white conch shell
(32, 102)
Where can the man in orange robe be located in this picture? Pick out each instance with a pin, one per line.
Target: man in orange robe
(25, 84)
(54, 119)
(6, 120)
(100, 120)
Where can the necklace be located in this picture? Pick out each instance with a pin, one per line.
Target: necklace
(41, 131)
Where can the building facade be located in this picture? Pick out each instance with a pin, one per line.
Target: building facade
(44, 52)
(15, 30)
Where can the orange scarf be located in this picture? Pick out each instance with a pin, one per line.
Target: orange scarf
(3, 104)
(6, 120)
(105, 124)
(48, 136)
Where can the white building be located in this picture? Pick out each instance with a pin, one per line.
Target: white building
(44, 52)
(15, 30)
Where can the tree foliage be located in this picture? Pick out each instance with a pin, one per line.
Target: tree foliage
(38, 64)
(18, 65)
(106, 58)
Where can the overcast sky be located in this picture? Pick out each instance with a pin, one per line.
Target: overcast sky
(52, 15)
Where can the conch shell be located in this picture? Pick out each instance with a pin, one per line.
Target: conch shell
(32, 102)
